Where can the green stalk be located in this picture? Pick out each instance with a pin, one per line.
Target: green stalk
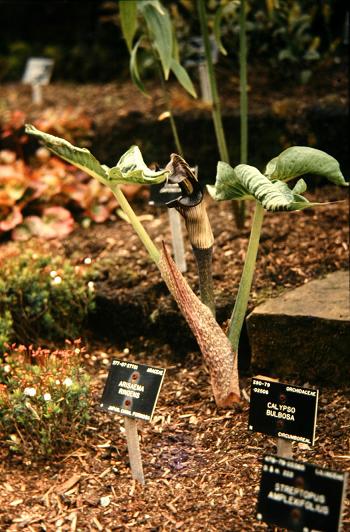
(241, 304)
(175, 133)
(171, 116)
(216, 107)
(243, 82)
(137, 225)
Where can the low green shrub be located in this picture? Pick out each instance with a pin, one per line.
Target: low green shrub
(43, 299)
(43, 399)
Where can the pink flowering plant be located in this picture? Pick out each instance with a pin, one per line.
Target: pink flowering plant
(44, 398)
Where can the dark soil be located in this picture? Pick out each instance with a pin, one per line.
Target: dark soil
(202, 466)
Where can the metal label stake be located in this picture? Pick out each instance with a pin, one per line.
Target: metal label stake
(284, 448)
(132, 390)
(37, 73)
(132, 439)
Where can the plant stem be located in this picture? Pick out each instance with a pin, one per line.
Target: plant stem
(243, 82)
(137, 225)
(175, 133)
(216, 108)
(171, 116)
(241, 304)
(204, 265)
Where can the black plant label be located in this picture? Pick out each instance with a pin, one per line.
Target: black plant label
(300, 496)
(132, 389)
(283, 410)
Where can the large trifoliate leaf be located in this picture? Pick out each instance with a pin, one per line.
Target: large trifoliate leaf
(80, 157)
(300, 160)
(129, 169)
(246, 182)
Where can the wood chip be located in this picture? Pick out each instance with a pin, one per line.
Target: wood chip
(68, 484)
(97, 523)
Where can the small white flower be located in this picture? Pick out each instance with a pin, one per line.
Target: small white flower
(29, 391)
(77, 350)
(7, 368)
(47, 396)
(53, 274)
(57, 280)
(88, 260)
(91, 286)
(68, 382)
(57, 381)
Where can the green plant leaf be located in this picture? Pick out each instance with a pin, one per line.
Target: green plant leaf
(80, 157)
(128, 20)
(183, 78)
(134, 71)
(217, 32)
(159, 25)
(300, 187)
(300, 160)
(131, 168)
(246, 182)
(227, 185)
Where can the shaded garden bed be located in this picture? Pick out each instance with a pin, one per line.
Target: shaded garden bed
(202, 466)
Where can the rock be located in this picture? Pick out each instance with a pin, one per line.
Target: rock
(305, 332)
(105, 501)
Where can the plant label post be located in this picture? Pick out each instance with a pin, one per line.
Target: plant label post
(286, 411)
(196, 57)
(160, 196)
(300, 496)
(132, 390)
(37, 73)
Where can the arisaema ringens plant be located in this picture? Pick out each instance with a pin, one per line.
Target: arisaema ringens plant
(213, 343)
(271, 192)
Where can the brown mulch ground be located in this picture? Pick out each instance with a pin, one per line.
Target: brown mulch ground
(270, 91)
(202, 466)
